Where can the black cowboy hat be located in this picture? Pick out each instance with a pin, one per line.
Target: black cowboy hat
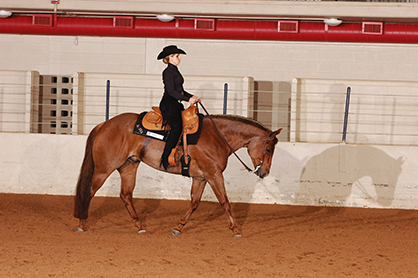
(168, 50)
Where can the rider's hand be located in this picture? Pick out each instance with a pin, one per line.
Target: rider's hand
(194, 99)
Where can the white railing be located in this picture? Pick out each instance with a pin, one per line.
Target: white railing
(309, 110)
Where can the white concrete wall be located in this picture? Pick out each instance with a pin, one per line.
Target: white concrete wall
(301, 174)
(262, 60)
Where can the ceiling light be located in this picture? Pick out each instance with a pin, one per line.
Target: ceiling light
(4, 13)
(333, 21)
(165, 17)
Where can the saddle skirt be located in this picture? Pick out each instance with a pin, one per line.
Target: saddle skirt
(153, 120)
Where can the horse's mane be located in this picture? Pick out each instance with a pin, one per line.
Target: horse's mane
(242, 119)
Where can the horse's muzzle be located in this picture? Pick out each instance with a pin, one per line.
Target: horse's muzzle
(259, 173)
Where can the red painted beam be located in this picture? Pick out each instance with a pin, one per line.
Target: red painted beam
(224, 29)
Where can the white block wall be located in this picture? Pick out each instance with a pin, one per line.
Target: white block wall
(262, 60)
(301, 174)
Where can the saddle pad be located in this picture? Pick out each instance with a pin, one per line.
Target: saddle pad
(162, 135)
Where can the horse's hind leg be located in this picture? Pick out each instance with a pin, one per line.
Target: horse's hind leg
(196, 195)
(97, 181)
(128, 178)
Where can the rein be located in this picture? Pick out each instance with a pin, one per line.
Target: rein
(220, 133)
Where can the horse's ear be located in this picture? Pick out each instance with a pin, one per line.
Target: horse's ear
(275, 133)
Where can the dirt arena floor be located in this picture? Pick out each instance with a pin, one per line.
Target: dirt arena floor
(38, 239)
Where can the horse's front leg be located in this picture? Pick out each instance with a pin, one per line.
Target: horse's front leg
(128, 178)
(218, 187)
(196, 195)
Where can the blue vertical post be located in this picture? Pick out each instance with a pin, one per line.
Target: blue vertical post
(225, 97)
(347, 104)
(107, 98)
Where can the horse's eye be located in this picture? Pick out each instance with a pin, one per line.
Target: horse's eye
(268, 151)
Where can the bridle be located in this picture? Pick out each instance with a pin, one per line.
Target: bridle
(257, 168)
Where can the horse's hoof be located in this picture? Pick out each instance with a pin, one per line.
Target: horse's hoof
(78, 229)
(176, 233)
(238, 236)
(142, 231)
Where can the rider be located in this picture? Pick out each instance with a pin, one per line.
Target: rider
(170, 104)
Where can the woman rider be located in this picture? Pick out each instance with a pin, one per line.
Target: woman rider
(170, 104)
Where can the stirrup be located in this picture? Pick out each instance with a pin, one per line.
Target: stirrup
(173, 158)
(185, 165)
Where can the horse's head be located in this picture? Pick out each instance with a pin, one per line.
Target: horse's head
(261, 151)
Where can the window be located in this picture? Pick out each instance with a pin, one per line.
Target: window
(55, 107)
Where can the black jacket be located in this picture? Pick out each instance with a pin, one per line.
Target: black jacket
(173, 85)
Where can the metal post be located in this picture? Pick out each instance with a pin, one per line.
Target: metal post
(107, 98)
(225, 97)
(347, 104)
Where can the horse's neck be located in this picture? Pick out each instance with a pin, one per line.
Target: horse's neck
(238, 134)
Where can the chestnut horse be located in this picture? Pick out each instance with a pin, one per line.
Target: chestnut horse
(112, 146)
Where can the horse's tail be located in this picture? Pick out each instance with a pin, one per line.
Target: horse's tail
(83, 190)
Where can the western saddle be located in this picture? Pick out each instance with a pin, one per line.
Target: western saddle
(153, 120)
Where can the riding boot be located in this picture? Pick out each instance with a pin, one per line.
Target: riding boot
(171, 143)
(164, 158)
(171, 114)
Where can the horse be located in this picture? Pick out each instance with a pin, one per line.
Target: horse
(112, 145)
